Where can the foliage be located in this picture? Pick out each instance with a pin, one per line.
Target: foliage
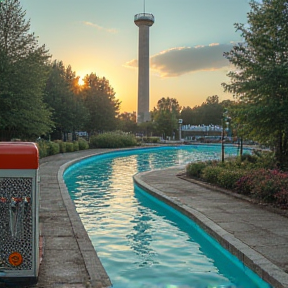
(42, 148)
(165, 116)
(259, 81)
(210, 112)
(253, 175)
(127, 122)
(68, 111)
(265, 185)
(196, 169)
(69, 147)
(53, 148)
(62, 145)
(83, 144)
(47, 148)
(75, 146)
(99, 99)
(23, 73)
(228, 178)
(113, 140)
(150, 139)
(211, 174)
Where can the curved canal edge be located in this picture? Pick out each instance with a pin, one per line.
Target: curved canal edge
(98, 277)
(186, 198)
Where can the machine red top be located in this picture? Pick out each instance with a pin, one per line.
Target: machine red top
(19, 155)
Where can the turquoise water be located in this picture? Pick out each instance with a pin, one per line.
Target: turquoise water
(142, 242)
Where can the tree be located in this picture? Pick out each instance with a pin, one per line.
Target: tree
(99, 98)
(260, 81)
(127, 122)
(166, 115)
(210, 112)
(23, 73)
(62, 95)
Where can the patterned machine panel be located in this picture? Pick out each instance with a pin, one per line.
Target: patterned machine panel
(16, 223)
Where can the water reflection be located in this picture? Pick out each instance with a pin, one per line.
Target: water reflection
(138, 244)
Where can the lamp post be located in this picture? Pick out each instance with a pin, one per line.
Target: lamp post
(222, 140)
(180, 121)
(225, 120)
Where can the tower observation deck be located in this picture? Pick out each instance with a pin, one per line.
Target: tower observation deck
(143, 21)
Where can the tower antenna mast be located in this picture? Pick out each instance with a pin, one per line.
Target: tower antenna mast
(144, 6)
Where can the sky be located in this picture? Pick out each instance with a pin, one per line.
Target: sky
(187, 42)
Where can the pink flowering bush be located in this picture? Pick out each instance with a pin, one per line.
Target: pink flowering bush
(266, 185)
(253, 175)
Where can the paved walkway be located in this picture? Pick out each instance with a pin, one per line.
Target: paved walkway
(70, 260)
(257, 236)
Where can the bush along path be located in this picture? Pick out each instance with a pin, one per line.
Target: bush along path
(255, 176)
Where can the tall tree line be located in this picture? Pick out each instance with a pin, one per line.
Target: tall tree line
(23, 74)
(39, 96)
(260, 80)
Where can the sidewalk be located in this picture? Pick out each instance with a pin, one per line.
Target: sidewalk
(257, 236)
(69, 260)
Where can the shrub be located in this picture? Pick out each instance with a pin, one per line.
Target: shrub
(113, 140)
(195, 169)
(151, 140)
(47, 148)
(211, 173)
(265, 185)
(69, 147)
(75, 146)
(42, 147)
(83, 144)
(228, 178)
(62, 145)
(53, 148)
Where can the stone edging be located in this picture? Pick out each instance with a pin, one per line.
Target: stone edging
(268, 271)
(97, 273)
(182, 175)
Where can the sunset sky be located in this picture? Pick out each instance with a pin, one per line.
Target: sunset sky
(187, 41)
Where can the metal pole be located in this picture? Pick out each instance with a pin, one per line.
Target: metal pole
(222, 142)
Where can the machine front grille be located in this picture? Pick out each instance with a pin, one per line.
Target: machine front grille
(16, 223)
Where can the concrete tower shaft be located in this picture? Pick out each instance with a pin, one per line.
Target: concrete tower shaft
(143, 21)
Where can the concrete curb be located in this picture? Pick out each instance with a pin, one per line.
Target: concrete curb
(97, 274)
(268, 271)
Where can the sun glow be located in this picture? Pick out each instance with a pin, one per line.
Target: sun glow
(81, 81)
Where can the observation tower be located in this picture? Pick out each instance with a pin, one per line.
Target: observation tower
(143, 21)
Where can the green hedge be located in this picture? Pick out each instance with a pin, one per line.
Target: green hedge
(62, 145)
(196, 169)
(113, 140)
(83, 144)
(252, 175)
(47, 148)
(69, 147)
(153, 140)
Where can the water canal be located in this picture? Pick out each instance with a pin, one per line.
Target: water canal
(142, 242)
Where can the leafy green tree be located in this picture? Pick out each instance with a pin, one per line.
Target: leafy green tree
(62, 95)
(210, 112)
(99, 98)
(127, 122)
(23, 73)
(260, 80)
(165, 116)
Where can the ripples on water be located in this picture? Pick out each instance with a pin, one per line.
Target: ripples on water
(142, 243)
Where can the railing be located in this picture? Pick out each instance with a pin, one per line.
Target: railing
(144, 16)
(201, 128)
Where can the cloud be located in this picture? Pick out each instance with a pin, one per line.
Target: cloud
(100, 28)
(181, 60)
